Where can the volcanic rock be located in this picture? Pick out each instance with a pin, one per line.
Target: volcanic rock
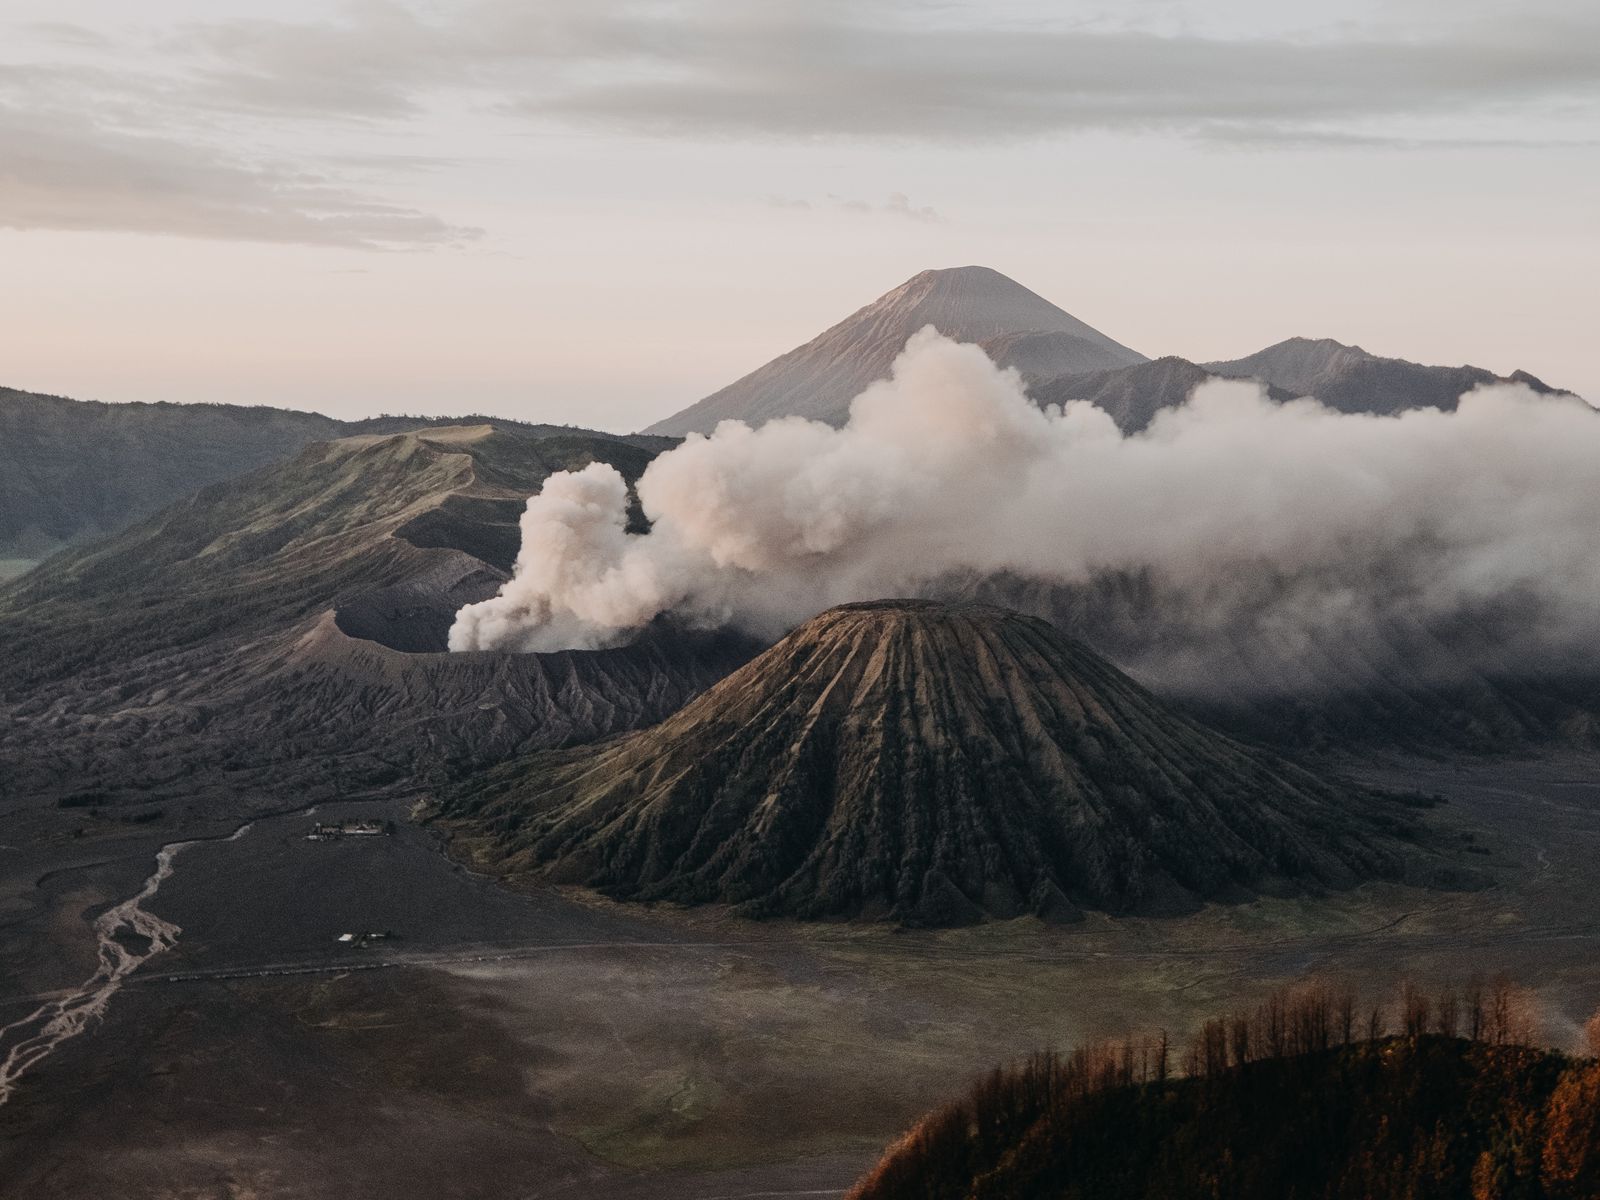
(932, 764)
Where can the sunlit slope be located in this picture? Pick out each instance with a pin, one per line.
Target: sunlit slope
(71, 470)
(1430, 1116)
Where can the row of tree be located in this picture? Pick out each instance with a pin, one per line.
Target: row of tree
(1310, 1095)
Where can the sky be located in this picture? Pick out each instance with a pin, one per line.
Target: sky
(597, 211)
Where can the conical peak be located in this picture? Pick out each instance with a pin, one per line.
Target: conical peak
(946, 640)
(973, 284)
(819, 379)
(1327, 346)
(933, 763)
(892, 612)
(969, 275)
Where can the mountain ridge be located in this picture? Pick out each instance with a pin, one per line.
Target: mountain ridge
(1060, 358)
(818, 379)
(1350, 379)
(72, 470)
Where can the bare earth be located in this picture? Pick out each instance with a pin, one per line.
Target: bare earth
(549, 1045)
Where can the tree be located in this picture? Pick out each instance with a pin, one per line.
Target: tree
(1509, 1018)
(1571, 1161)
(1414, 1009)
(1447, 1013)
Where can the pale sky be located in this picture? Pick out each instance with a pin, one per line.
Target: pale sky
(597, 212)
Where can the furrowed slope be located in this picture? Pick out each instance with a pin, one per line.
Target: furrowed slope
(932, 764)
(1406, 681)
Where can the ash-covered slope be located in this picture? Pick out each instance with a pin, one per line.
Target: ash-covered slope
(971, 304)
(1407, 682)
(930, 763)
(1351, 380)
(71, 470)
(1346, 378)
(287, 631)
(1133, 395)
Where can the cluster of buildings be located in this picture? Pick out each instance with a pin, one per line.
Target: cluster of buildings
(322, 832)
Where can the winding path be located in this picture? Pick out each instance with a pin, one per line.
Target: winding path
(128, 937)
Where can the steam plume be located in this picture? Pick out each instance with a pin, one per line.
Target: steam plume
(1289, 518)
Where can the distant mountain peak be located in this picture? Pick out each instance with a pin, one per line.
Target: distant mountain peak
(971, 272)
(972, 304)
(1324, 345)
(1351, 379)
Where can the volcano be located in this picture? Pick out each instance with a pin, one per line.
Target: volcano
(933, 764)
(1017, 327)
(1351, 380)
(286, 631)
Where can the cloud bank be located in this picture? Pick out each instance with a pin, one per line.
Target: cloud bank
(147, 120)
(64, 172)
(1238, 513)
(894, 68)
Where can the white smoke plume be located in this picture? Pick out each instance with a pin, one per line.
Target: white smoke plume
(1301, 517)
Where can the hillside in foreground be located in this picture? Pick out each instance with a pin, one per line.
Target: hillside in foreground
(1288, 1103)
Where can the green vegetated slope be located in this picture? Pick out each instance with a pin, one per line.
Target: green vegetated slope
(933, 764)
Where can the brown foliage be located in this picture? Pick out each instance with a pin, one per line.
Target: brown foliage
(1571, 1160)
(1283, 1099)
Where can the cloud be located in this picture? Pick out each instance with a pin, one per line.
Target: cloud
(758, 68)
(1267, 137)
(62, 33)
(897, 204)
(108, 136)
(1240, 522)
(58, 171)
(141, 131)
